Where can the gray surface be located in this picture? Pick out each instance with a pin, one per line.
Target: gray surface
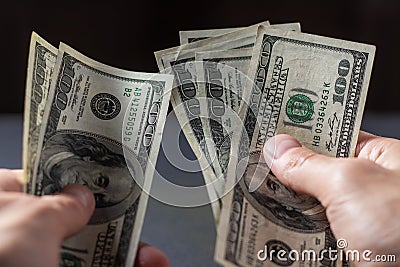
(11, 141)
(186, 235)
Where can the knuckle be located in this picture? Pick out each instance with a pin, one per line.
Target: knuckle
(294, 166)
(345, 169)
(50, 207)
(349, 172)
(375, 151)
(297, 161)
(376, 148)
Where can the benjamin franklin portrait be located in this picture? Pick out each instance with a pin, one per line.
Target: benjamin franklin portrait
(95, 163)
(280, 204)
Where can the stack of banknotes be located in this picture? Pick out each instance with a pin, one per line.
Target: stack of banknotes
(231, 90)
(236, 88)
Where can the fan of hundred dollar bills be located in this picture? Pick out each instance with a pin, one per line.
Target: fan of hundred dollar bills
(231, 90)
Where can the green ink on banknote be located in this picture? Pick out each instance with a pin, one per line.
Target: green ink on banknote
(299, 108)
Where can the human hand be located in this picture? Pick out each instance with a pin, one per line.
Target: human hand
(361, 194)
(32, 228)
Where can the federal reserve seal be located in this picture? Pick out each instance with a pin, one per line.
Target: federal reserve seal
(105, 106)
(299, 108)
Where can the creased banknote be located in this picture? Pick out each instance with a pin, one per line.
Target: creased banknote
(186, 37)
(186, 98)
(222, 75)
(41, 62)
(102, 128)
(245, 36)
(220, 83)
(313, 88)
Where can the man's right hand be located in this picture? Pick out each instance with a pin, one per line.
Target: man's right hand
(361, 195)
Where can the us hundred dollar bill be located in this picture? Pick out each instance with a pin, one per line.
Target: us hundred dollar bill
(102, 128)
(313, 88)
(245, 36)
(221, 76)
(186, 99)
(187, 37)
(41, 62)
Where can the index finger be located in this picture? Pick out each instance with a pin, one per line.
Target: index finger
(381, 150)
(363, 139)
(148, 256)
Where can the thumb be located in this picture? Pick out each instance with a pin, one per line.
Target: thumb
(298, 167)
(67, 212)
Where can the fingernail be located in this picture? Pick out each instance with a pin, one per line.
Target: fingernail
(148, 256)
(278, 145)
(81, 193)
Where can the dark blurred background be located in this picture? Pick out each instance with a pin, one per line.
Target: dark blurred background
(125, 34)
